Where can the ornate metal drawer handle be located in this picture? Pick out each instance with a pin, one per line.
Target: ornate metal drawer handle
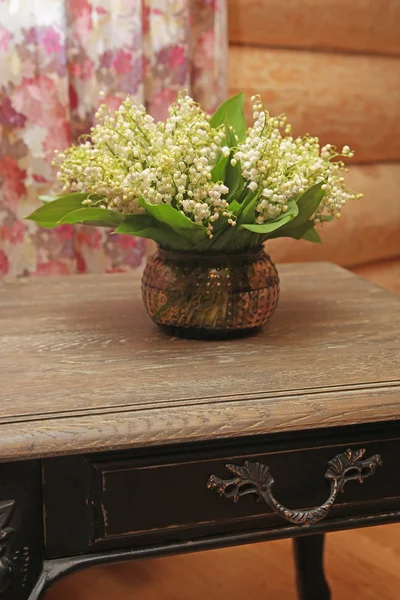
(255, 478)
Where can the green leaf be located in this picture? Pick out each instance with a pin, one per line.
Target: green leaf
(51, 213)
(134, 223)
(245, 214)
(77, 195)
(203, 246)
(218, 172)
(308, 204)
(276, 223)
(231, 112)
(234, 181)
(248, 212)
(312, 236)
(146, 226)
(230, 138)
(293, 232)
(171, 217)
(323, 218)
(235, 207)
(45, 199)
(102, 217)
(301, 225)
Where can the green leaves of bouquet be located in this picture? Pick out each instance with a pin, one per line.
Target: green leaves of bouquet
(238, 226)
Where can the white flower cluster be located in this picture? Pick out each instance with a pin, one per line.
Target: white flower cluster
(130, 156)
(280, 167)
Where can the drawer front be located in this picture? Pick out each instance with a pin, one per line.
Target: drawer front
(135, 500)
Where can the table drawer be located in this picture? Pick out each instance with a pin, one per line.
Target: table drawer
(103, 502)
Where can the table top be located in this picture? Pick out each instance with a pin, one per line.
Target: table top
(84, 369)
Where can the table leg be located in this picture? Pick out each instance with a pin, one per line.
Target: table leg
(309, 558)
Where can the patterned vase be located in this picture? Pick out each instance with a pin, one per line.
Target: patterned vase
(209, 296)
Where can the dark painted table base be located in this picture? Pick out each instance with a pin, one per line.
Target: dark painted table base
(62, 514)
(310, 576)
(308, 552)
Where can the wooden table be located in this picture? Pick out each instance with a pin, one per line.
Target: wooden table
(118, 442)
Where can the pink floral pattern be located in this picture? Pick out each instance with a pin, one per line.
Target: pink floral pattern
(56, 56)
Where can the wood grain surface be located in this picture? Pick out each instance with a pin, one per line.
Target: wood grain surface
(368, 230)
(84, 369)
(343, 99)
(361, 564)
(356, 26)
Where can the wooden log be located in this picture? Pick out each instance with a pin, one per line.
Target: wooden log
(356, 26)
(385, 273)
(368, 230)
(344, 99)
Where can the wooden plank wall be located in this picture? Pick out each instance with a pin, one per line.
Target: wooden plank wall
(334, 68)
(364, 26)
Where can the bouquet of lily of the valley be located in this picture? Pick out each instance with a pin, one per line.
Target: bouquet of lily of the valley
(198, 183)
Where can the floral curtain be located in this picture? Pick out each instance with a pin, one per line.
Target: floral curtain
(55, 57)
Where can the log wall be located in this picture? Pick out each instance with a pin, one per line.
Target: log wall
(334, 68)
(366, 26)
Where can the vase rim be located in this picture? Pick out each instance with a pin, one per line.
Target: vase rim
(190, 255)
